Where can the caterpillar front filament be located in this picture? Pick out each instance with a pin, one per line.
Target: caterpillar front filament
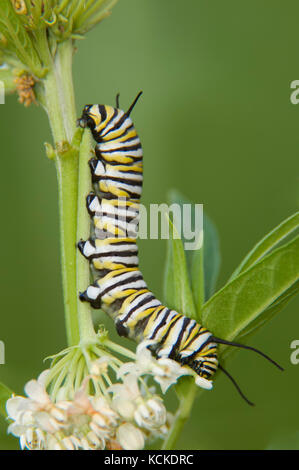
(119, 288)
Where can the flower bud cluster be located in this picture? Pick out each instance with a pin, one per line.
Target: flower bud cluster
(77, 405)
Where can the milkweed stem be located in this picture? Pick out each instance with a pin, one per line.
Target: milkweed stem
(86, 328)
(57, 96)
(180, 418)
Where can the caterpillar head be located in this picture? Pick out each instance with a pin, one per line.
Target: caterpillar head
(97, 117)
(202, 358)
(91, 116)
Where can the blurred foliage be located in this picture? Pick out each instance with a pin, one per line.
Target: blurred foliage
(5, 394)
(216, 122)
(178, 293)
(212, 256)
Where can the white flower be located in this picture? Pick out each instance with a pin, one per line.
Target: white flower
(35, 390)
(15, 406)
(130, 437)
(125, 395)
(91, 413)
(145, 360)
(46, 422)
(137, 404)
(101, 406)
(83, 423)
(34, 416)
(165, 371)
(53, 443)
(97, 415)
(151, 414)
(69, 444)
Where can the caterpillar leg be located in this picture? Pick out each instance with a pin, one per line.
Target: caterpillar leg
(92, 295)
(121, 329)
(97, 168)
(87, 248)
(93, 204)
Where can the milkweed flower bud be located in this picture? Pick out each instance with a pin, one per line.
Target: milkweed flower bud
(130, 437)
(151, 414)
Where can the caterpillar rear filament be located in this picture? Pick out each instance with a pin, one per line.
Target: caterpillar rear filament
(119, 288)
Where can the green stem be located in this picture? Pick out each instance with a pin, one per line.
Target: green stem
(86, 329)
(63, 68)
(186, 389)
(181, 416)
(119, 349)
(57, 96)
(67, 180)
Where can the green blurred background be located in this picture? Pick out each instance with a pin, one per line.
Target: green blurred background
(216, 123)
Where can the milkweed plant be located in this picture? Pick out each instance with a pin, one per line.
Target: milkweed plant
(97, 394)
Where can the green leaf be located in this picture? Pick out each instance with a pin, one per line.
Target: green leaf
(212, 256)
(255, 295)
(168, 284)
(203, 263)
(18, 39)
(5, 394)
(197, 279)
(85, 19)
(269, 313)
(267, 243)
(178, 295)
(177, 290)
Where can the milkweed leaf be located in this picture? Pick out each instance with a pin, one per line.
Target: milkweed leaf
(204, 262)
(255, 295)
(267, 243)
(177, 290)
(18, 39)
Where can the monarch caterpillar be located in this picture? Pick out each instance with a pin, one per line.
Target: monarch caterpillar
(119, 288)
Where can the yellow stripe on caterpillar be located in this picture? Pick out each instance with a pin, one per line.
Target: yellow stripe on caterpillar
(130, 299)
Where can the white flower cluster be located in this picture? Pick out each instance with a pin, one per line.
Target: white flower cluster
(123, 415)
(86, 422)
